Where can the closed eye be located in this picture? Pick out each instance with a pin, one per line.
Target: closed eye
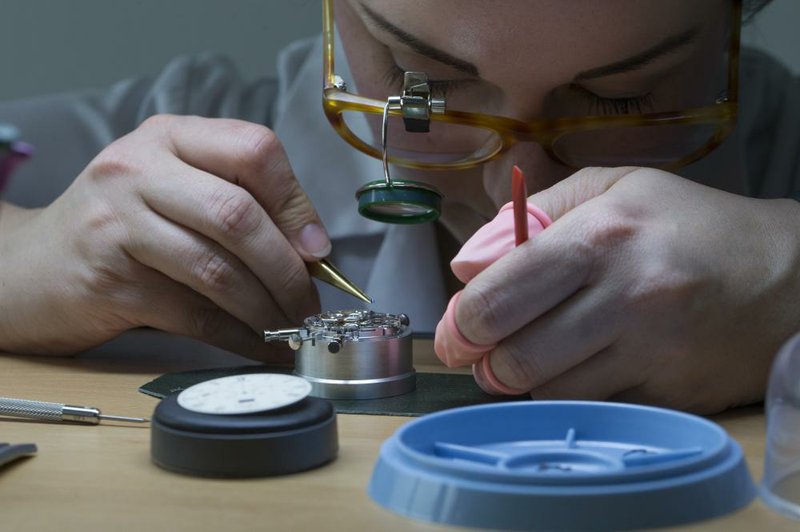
(439, 87)
(600, 105)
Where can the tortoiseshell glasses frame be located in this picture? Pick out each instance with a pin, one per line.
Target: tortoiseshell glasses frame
(721, 115)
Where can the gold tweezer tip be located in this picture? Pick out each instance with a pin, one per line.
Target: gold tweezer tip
(328, 273)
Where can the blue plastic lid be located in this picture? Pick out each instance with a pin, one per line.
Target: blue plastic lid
(561, 465)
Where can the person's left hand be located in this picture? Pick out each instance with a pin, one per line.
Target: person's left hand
(647, 288)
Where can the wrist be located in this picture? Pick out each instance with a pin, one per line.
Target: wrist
(29, 304)
(12, 216)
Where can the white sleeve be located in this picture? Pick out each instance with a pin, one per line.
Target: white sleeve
(69, 130)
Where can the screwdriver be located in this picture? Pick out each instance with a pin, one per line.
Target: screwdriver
(58, 412)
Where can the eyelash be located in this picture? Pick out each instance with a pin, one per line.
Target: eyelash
(605, 106)
(616, 106)
(439, 88)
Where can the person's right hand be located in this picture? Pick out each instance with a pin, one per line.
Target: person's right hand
(189, 225)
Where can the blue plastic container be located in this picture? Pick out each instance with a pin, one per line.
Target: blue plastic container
(561, 465)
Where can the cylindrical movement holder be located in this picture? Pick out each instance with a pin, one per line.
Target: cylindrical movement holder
(355, 354)
(365, 368)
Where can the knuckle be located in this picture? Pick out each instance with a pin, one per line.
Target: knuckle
(158, 122)
(292, 208)
(296, 275)
(125, 156)
(480, 314)
(262, 154)
(213, 271)
(236, 213)
(608, 230)
(114, 161)
(523, 365)
(602, 241)
(659, 283)
(257, 145)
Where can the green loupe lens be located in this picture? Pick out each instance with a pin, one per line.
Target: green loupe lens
(405, 202)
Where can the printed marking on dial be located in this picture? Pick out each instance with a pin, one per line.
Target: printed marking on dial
(244, 394)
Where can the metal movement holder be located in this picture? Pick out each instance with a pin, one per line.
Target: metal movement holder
(404, 201)
(352, 354)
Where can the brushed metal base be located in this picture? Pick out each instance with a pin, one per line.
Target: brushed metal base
(363, 388)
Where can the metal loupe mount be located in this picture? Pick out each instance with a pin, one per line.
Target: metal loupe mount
(404, 201)
(352, 354)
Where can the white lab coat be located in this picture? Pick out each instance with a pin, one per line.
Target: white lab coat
(397, 265)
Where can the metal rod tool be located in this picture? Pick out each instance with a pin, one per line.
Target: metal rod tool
(58, 412)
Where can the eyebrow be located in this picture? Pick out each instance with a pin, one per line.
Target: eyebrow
(419, 46)
(667, 46)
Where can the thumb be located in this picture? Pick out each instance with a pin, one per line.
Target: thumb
(578, 188)
(298, 220)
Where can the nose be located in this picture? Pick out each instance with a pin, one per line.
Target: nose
(540, 170)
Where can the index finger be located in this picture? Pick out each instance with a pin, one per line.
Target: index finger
(251, 156)
(525, 283)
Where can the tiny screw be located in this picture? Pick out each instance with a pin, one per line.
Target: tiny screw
(339, 83)
(334, 346)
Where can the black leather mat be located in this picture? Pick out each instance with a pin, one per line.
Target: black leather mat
(435, 391)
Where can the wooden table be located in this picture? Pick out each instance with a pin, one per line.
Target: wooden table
(101, 477)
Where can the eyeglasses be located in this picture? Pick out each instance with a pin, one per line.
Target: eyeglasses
(460, 139)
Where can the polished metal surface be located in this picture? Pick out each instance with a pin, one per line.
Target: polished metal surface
(353, 354)
(326, 272)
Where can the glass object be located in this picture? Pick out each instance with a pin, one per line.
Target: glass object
(467, 135)
(401, 202)
(780, 487)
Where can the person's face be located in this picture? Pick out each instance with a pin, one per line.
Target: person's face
(527, 59)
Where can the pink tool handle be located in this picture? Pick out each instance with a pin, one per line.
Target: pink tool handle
(489, 243)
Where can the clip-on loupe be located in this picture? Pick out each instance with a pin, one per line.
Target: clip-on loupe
(404, 201)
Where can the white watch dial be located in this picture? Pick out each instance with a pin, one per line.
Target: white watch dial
(244, 394)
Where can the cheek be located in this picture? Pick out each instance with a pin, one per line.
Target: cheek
(540, 171)
(464, 186)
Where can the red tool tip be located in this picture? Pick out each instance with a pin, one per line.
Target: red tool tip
(519, 196)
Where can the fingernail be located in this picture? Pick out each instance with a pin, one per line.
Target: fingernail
(314, 241)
